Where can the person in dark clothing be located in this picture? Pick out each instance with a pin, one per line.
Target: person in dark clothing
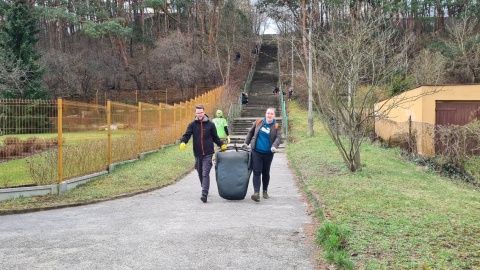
(204, 136)
(276, 91)
(244, 98)
(237, 58)
(255, 51)
(290, 93)
(265, 137)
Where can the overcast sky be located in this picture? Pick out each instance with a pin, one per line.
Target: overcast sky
(271, 27)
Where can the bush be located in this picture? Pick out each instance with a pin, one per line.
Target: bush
(11, 141)
(16, 147)
(43, 167)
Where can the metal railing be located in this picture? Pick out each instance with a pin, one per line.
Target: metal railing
(282, 102)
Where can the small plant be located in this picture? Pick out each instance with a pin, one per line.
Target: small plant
(333, 239)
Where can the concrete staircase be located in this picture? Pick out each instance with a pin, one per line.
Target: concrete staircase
(261, 94)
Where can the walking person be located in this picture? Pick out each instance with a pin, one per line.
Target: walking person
(265, 136)
(290, 93)
(204, 135)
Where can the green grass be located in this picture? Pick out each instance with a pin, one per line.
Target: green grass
(14, 173)
(399, 216)
(73, 137)
(158, 169)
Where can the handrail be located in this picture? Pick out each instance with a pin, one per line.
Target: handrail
(282, 102)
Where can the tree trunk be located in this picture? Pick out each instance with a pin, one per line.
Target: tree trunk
(212, 21)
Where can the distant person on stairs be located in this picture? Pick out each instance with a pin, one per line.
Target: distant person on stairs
(255, 51)
(276, 90)
(265, 136)
(244, 98)
(204, 135)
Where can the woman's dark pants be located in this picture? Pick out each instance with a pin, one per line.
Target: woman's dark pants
(261, 163)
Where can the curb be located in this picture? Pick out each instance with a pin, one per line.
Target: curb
(125, 195)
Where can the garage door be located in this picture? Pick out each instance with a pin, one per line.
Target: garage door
(454, 113)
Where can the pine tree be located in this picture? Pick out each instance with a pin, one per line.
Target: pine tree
(17, 44)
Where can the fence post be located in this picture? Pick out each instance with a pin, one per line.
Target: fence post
(109, 136)
(175, 121)
(410, 148)
(139, 128)
(160, 125)
(60, 141)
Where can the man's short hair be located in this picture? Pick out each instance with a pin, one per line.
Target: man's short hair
(199, 106)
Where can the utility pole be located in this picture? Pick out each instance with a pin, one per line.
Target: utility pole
(291, 82)
(310, 79)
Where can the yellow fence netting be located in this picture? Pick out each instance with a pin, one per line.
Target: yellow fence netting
(49, 141)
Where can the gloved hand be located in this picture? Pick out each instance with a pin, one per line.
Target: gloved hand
(244, 146)
(223, 147)
(273, 149)
(228, 139)
(182, 146)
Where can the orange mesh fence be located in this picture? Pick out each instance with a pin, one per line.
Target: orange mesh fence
(150, 128)
(124, 128)
(27, 127)
(167, 135)
(93, 136)
(84, 138)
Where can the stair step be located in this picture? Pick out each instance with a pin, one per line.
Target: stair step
(260, 96)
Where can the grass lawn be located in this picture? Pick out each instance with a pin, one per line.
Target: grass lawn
(156, 170)
(73, 137)
(399, 216)
(14, 173)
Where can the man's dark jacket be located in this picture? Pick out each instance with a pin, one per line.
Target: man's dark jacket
(204, 135)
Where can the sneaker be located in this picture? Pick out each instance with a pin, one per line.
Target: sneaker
(265, 195)
(256, 197)
(203, 198)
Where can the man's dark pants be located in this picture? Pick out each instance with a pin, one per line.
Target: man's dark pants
(203, 165)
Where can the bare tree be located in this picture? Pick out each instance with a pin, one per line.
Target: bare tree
(358, 58)
(429, 68)
(463, 46)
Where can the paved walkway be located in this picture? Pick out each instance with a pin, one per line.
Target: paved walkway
(166, 229)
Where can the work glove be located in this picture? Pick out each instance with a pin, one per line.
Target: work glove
(223, 147)
(273, 149)
(244, 146)
(182, 146)
(228, 139)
